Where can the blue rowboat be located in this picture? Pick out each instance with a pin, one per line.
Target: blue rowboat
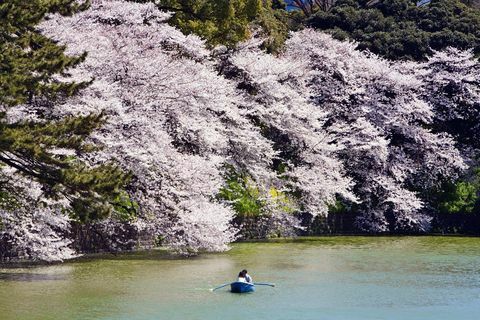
(242, 287)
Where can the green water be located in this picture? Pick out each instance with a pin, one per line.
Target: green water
(322, 278)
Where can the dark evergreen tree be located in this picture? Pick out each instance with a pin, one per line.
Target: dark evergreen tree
(30, 68)
(228, 22)
(400, 29)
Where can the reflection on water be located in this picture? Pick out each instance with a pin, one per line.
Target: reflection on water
(316, 278)
(40, 273)
(24, 276)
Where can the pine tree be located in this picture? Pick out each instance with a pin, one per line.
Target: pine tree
(48, 149)
(29, 60)
(228, 22)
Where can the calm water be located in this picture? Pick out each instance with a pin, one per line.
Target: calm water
(323, 278)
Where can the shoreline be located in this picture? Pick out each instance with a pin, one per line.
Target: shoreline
(164, 253)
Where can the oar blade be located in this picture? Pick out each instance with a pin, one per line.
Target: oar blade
(264, 284)
(219, 287)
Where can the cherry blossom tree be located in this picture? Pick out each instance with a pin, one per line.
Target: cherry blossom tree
(452, 86)
(35, 228)
(278, 89)
(317, 123)
(169, 116)
(377, 114)
(175, 123)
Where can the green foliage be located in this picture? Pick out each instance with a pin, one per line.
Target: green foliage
(275, 26)
(159, 240)
(398, 29)
(48, 151)
(461, 197)
(7, 201)
(241, 192)
(31, 149)
(125, 208)
(282, 201)
(338, 207)
(249, 201)
(228, 22)
(28, 59)
(279, 4)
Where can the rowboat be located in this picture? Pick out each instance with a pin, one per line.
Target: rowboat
(242, 287)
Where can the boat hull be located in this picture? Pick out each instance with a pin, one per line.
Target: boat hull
(241, 287)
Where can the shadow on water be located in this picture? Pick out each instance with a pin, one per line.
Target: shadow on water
(396, 278)
(140, 255)
(30, 277)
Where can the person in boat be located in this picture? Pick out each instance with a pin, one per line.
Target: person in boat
(241, 277)
(248, 278)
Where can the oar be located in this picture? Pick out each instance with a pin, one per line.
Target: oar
(264, 284)
(223, 285)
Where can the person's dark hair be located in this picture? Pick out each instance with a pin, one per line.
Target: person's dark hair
(241, 274)
(244, 271)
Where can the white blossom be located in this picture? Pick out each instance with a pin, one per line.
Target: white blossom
(320, 120)
(378, 116)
